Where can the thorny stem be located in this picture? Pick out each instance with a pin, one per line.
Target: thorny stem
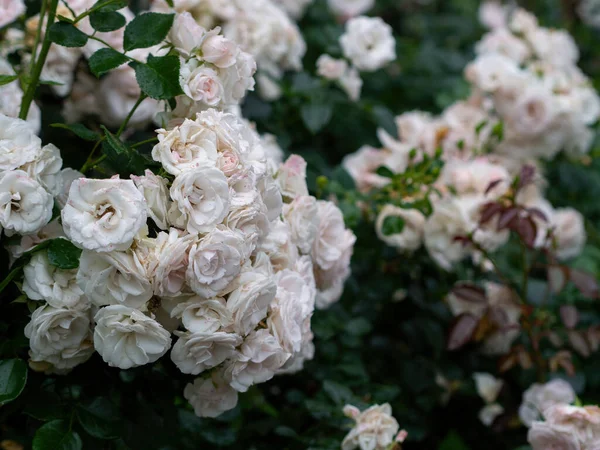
(39, 64)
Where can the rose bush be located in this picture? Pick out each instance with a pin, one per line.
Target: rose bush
(224, 223)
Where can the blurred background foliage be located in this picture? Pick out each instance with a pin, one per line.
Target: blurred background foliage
(386, 340)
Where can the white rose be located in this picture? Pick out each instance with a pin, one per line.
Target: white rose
(126, 337)
(452, 217)
(56, 286)
(488, 386)
(155, 191)
(331, 68)
(187, 146)
(251, 220)
(491, 71)
(59, 336)
(475, 177)
(375, 428)
(488, 414)
(201, 83)
(583, 421)
(278, 246)
(333, 239)
(539, 397)
(271, 196)
(168, 263)
(350, 8)
(65, 178)
(25, 206)
(554, 46)
(569, 232)
(238, 78)
(411, 223)
(293, 304)
(249, 303)
(215, 260)
(351, 83)
(259, 358)
(361, 166)
(114, 278)
(202, 197)
(18, 143)
(292, 177)
(10, 10)
(186, 34)
(534, 112)
(194, 353)
(504, 42)
(200, 315)
(369, 43)
(45, 168)
(492, 14)
(544, 436)
(220, 51)
(104, 215)
(210, 397)
(330, 283)
(302, 215)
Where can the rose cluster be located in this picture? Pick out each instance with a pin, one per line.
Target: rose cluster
(261, 27)
(368, 43)
(525, 104)
(234, 257)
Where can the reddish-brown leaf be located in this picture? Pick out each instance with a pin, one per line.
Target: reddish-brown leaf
(526, 176)
(469, 293)
(462, 331)
(536, 212)
(557, 278)
(585, 282)
(527, 230)
(579, 344)
(499, 317)
(569, 316)
(489, 211)
(507, 218)
(492, 185)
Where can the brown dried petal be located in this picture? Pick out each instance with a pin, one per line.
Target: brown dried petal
(462, 331)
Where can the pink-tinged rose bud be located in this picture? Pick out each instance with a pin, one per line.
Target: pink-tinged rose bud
(220, 51)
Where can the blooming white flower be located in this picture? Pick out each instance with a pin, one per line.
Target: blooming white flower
(126, 337)
(200, 315)
(186, 34)
(196, 352)
(411, 223)
(375, 428)
(168, 262)
(155, 191)
(104, 215)
(250, 301)
(292, 177)
(185, 147)
(293, 304)
(45, 168)
(539, 397)
(278, 246)
(351, 83)
(543, 436)
(333, 239)
(220, 51)
(369, 43)
(350, 8)
(201, 83)
(18, 143)
(257, 361)
(303, 219)
(58, 287)
(59, 336)
(569, 232)
(202, 198)
(215, 261)
(114, 278)
(331, 68)
(25, 206)
(10, 10)
(210, 397)
(488, 386)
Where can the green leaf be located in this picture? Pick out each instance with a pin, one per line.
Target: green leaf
(393, 225)
(316, 116)
(56, 435)
(63, 254)
(107, 21)
(384, 172)
(339, 393)
(358, 327)
(105, 60)
(13, 376)
(100, 419)
(159, 77)
(110, 5)
(51, 83)
(79, 130)
(147, 30)
(453, 442)
(123, 159)
(5, 79)
(44, 405)
(67, 35)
